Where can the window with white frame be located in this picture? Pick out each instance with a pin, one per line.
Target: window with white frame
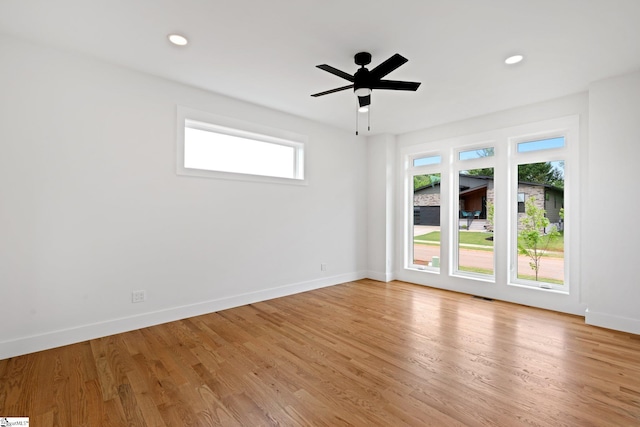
(538, 237)
(219, 147)
(529, 222)
(425, 187)
(474, 190)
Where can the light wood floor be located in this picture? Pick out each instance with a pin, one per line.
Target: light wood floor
(363, 353)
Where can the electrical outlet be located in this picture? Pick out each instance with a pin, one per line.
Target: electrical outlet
(323, 267)
(138, 296)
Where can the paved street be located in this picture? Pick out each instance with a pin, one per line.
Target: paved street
(550, 267)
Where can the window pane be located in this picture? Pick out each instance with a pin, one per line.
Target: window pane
(424, 161)
(426, 220)
(214, 151)
(543, 144)
(475, 221)
(540, 214)
(476, 154)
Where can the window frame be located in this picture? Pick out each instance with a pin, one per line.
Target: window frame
(458, 166)
(196, 119)
(564, 153)
(505, 190)
(428, 169)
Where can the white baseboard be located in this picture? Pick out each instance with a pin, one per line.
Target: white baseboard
(610, 321)
(380, 276)
(33, 343)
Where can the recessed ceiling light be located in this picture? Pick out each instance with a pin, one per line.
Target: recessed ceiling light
(513, 59)
(177, 39)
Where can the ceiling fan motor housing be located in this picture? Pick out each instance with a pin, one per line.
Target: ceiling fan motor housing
(361, 79)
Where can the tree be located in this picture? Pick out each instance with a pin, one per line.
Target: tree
(479, 172)
(490, 215)
(421, 181)
(484, 152)
(533, 241)
(540, 173)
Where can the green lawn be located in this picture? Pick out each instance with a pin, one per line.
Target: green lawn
(540, 279)
(480, 238)
(475, 270)
(557, 244)
(466, 237)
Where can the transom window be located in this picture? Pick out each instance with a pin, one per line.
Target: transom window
(541, 144)
(427, 160)
(217, 147)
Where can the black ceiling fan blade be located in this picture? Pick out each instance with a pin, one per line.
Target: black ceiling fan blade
(387, 66)
(395, 85)
(336, 72)
(364, 100)
(338, 89)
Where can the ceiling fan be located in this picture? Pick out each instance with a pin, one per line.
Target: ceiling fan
(364, 81)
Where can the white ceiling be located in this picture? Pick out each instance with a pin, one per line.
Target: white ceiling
(265, 51)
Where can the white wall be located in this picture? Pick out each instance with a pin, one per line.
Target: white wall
(611, 227)
(381, 151)
(91, 207)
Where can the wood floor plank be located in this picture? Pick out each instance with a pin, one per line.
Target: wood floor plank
(362, 353)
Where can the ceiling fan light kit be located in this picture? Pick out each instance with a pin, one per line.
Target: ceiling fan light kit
(362, 91)
(365, 80)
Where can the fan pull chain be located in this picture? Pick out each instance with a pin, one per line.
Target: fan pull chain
(357, 113)
(369, 118)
